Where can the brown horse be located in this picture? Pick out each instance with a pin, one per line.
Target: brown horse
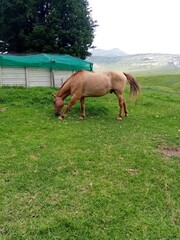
(90, 84)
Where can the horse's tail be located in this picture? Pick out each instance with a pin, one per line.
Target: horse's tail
(134, 86)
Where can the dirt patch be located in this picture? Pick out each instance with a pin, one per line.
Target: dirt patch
(170, 151)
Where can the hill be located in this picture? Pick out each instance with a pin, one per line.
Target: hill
(141, 63)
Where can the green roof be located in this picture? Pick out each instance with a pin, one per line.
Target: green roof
(51, 61)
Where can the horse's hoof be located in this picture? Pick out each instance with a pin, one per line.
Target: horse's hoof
(126, 115)
(60, 118)
(119, 118)
(81, 118)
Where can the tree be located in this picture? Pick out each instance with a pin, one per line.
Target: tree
(51, 26)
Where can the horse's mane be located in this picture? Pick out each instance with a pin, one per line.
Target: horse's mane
(71, 77)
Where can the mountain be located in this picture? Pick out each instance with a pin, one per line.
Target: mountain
(115, 52)
(115, 59)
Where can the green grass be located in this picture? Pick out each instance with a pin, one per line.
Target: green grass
(94, 179)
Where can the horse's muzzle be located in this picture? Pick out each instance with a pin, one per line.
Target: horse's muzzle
(57, 114)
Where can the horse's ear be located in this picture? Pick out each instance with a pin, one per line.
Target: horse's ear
(53, 95)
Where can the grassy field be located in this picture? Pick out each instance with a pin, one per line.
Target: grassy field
(98, 179)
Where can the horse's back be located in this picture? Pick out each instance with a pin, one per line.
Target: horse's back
(97, 83)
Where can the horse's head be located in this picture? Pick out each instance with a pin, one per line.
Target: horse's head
(58, 105)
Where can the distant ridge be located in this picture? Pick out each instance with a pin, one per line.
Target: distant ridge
(115, 59)
(115, 52)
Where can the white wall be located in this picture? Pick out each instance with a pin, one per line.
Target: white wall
(12, 76)
(32, 77)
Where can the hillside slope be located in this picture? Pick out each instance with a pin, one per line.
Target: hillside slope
(141, 63)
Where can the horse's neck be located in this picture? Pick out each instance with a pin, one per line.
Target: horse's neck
(64, 91)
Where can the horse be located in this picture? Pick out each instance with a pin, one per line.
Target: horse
(84, 84)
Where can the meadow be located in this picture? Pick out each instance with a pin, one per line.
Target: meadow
(96, 179)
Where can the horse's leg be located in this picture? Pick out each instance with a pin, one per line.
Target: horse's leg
(73, 100)
(83, 114)
(122, 104)
(125, 108)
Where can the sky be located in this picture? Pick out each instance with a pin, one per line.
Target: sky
(137, 26)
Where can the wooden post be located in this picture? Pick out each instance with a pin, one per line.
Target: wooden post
(0, 76)
(52, 78)
(26, 77)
